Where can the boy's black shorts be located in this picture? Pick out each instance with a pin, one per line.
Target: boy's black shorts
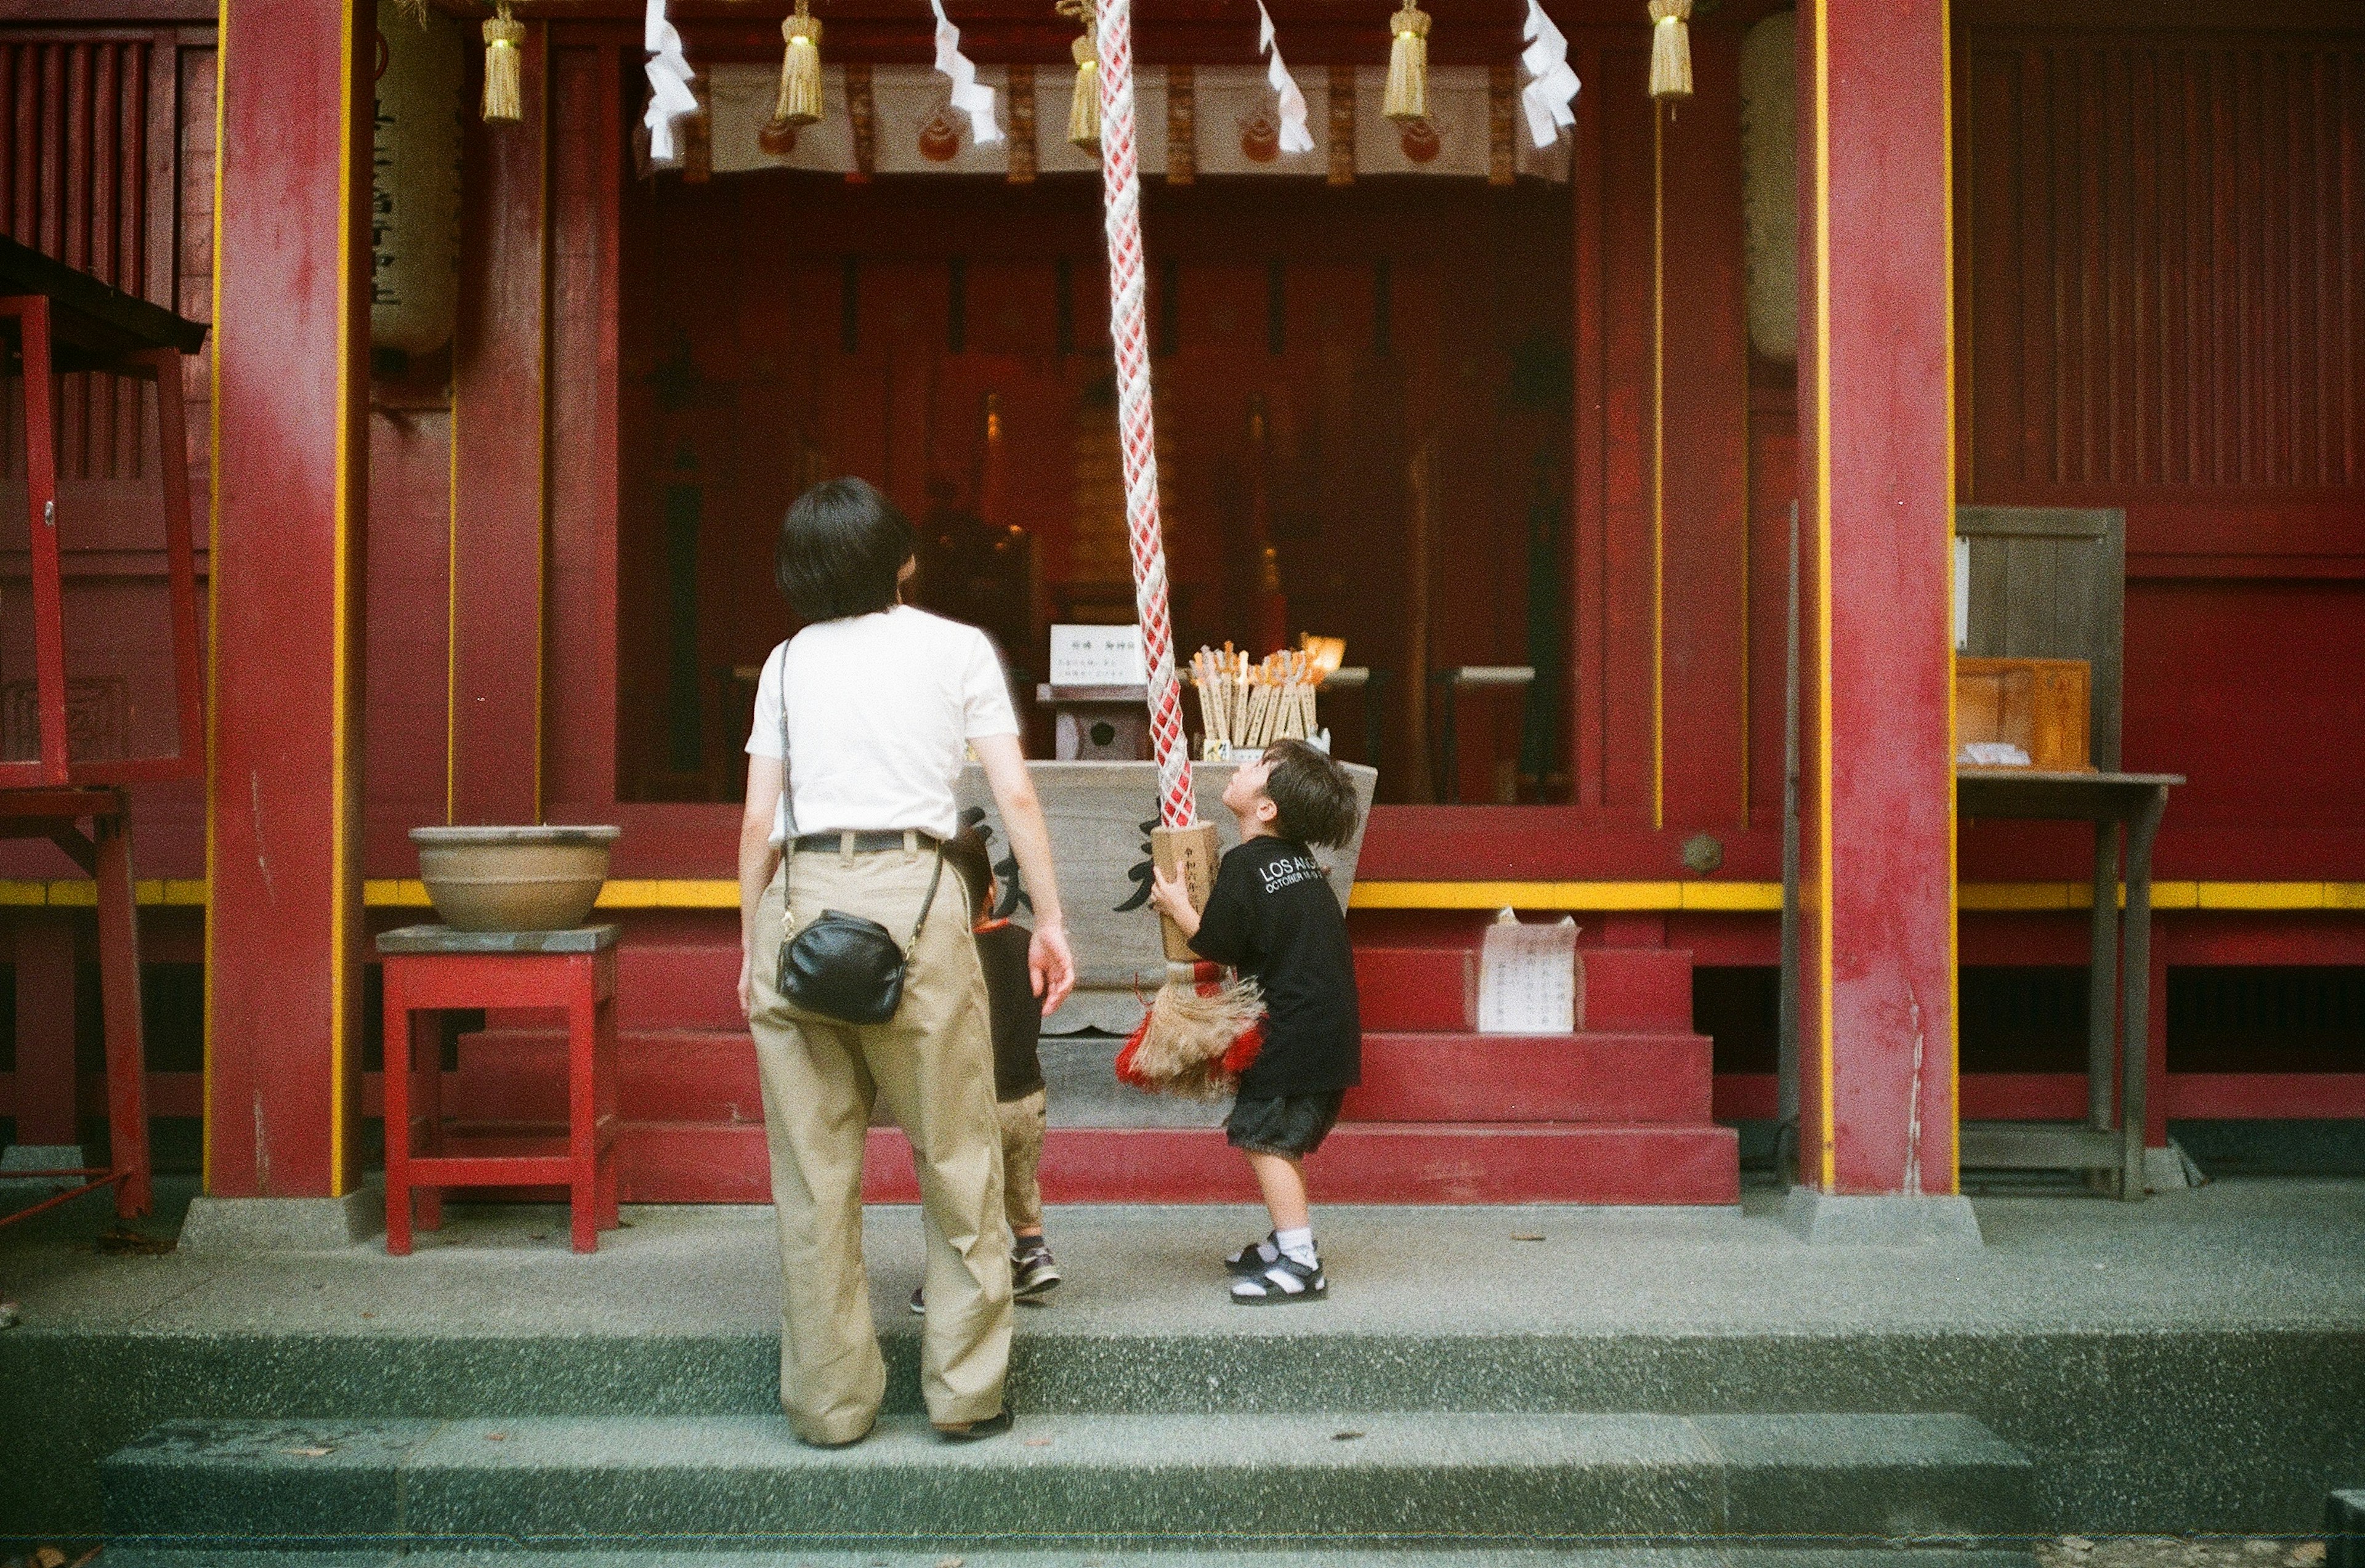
(1292, 1127)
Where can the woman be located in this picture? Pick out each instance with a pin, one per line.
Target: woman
(865, 714)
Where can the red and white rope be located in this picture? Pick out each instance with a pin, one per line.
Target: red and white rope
(1129, 330)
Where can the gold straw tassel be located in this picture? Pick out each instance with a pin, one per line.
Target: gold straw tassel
(1084, 109)
(1407, 96)
(1671, 48)
(504, 96)
(799, 101)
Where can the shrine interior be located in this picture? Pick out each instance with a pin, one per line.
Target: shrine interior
(1360, 391)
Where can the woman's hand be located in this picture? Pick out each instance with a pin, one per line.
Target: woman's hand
(1051, 966)
(746, 983)
(1172, 897)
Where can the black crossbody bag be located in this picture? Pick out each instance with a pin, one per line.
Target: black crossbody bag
(842, 967)
(847, 967)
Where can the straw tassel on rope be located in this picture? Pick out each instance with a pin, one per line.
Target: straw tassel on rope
(799, 102)
(1407, 96)
(1671, 49)
(504, 95)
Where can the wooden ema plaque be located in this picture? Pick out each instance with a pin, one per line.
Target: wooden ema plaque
(1193, 850)
(2039, 705)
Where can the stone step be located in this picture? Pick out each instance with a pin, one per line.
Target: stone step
(1813, 1555)
(1386, 1478)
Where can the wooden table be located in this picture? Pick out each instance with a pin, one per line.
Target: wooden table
(2126, 809)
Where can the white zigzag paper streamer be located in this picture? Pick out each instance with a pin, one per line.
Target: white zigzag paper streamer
(1551, 87)
(669, 77)
(1294, 137)
(970, 96)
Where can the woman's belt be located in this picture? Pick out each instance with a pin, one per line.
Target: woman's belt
(865, 843)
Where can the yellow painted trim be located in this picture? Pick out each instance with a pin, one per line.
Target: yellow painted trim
(1658, 465)
(1695, 898)
(213, 601)
(2260, 895)
(1829, 1160)
(340, 777)
(452, 619)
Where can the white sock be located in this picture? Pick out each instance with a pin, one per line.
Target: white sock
(1297, 1244)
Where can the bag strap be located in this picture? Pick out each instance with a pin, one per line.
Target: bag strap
(929, 902)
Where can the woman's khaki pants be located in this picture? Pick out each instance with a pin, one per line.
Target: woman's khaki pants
(932, 1065)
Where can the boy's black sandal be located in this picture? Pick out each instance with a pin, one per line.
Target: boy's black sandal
(1250, 1260)
(1282, 1282)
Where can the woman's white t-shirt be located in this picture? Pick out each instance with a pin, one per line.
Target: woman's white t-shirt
(881, 708)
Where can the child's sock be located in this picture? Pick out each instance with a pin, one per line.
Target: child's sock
(1297, 1244)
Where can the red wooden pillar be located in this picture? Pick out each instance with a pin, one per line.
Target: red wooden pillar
(291, 331)
(1876, 486)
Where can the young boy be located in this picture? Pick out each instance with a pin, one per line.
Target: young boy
(1017, 1015)
(1272, 916)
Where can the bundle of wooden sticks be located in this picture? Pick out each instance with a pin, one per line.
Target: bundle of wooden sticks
(1247, 707)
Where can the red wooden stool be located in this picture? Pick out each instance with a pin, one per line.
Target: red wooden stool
(429, 969)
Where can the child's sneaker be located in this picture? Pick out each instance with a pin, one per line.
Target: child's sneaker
(1283, 1282)
(919, 1305)
(1256, 1256)
(1033, 1272)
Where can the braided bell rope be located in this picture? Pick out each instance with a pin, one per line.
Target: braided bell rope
(1129, 332)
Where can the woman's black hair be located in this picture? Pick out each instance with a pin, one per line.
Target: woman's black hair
(842, 547)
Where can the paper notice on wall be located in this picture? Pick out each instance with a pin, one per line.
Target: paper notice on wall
(1527, 977)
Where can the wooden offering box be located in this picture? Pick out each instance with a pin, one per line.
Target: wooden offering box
(2038, 705)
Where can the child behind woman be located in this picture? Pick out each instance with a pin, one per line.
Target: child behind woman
(1018, 1094)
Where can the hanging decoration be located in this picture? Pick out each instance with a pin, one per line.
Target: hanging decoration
(862, 120)
(1502, 152)
(1294, 137)
(799, 103)
(1551, 86)
(504, 96)
(970, 95)
(1407, 95)
(1671, 49)
(1084, 104)
(669, 76)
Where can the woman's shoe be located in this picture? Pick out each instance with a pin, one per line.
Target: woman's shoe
(969, 1431)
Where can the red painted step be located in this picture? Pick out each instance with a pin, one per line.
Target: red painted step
(1638, 988)
(1644, 989)
(675, 1163)
(709, 1076)
(1465, 1076)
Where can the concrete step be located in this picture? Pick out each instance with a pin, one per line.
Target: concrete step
(1810, 1555)
(1280, 1480)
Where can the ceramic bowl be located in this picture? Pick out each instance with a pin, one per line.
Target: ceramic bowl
(514, 878)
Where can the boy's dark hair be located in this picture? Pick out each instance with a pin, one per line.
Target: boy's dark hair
(1314, 798)
(966, 853)
(842, 546)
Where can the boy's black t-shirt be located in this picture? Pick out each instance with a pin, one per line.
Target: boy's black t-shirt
(1273, 917)
(1015, 1011)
